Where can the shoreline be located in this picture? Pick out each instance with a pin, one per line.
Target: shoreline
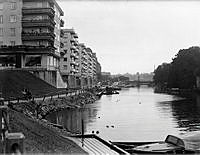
(32, 123)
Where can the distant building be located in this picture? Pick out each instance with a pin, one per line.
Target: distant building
(98, 67)
(106, 74)
(30, 37)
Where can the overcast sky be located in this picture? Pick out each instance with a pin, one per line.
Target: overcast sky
(134, 36)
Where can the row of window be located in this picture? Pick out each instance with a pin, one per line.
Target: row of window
(12, 5)
(12, 19)
(12, 43)
(12, 32)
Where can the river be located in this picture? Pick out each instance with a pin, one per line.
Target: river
(136, 114)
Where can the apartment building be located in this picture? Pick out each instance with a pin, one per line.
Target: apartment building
(90, 68)
(83, 65)
(70, 58)
(30, 37)
(98, 71)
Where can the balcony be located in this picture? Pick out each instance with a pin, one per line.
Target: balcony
(73, 47)
(84, 63)
(76, 64)
(76, 56)
(75, 35)
(75, 42)
(62, 23)
(83, 58)
(73, 70)
(38, 23)
(25, 49)
(61, 44)
(29, 36)
(73, 62)
(29, 11)
(84, 67)
(62, 33)
(73, 55)
(83, 52)
(76, 49)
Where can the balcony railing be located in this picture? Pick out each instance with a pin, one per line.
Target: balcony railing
(62, 23)
(84, 62)
(27, 36)
(73, 62)
(62, 33)
(49, 11)
(73, 55)
(73, 47)
(75, 35)
(26, 49)
(75, 42)
(38, 23)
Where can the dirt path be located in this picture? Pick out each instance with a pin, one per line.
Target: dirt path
(40, 138)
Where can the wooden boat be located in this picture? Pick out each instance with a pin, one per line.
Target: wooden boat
(171, 145)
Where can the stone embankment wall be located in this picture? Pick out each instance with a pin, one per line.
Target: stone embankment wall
(39, 109)
(41, 135)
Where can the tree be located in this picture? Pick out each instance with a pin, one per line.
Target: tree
(181, 72)
(161, 75)
(183, 68)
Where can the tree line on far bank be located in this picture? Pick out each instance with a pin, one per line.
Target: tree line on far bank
(181, 72)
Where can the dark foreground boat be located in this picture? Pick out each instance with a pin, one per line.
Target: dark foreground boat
(171, 145)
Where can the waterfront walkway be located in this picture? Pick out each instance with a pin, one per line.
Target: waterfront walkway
(93, 144)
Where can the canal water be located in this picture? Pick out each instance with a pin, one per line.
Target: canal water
(136, 114)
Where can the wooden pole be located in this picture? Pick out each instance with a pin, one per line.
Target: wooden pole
(82, 132)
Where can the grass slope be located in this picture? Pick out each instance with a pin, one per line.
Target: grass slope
(13, 82)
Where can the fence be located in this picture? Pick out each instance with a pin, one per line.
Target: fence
(51, 95)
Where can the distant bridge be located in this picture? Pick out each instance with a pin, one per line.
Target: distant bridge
(137, 83)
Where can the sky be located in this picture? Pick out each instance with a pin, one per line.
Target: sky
(134, 36)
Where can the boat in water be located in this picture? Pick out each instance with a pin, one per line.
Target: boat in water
(171, 145)
(107, 91)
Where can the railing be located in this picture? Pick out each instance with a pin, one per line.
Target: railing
(73, 47)
(38, 35)
(49, 11)
(73, 62)
(72, 55)
(51, 95)
(62, 23)
(7, 67)
(75, 35)
(38, 23)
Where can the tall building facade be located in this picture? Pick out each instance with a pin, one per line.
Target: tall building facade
(78, 64)
(30, 37)
(83, 65)
(70, 58)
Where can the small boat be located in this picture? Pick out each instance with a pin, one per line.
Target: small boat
(171, 145)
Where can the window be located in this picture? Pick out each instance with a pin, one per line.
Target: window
(1, 43)
(1, 5)
(1, 19)
(65, 59)
(1, 31)
(12, 43)
(33, 60)
(13, 18)
(13, 5)
(12, 31)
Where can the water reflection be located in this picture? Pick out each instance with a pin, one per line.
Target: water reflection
(134, 115)
(187, 113)
(69, 118)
